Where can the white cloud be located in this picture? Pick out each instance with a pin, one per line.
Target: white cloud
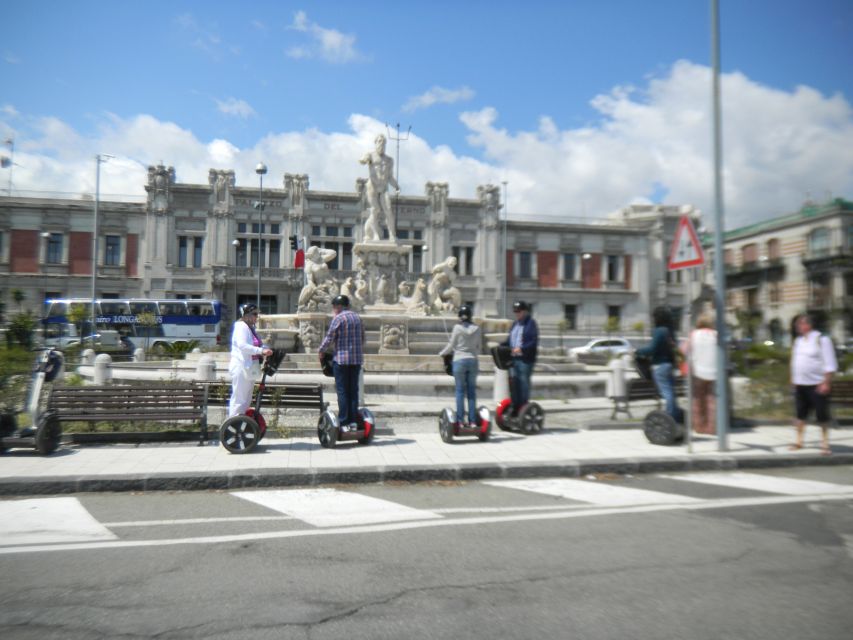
(778, 145)
(438, 95)
(235, 107)
(327, 44)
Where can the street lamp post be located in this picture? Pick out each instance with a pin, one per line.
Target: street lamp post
(503, 243)
(101, 157)
(236, 244)
(46, 237)
(261, 169)
(585, 257)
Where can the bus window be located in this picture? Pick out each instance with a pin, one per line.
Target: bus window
(143, 307)
(56, 309)
(117, 308)
(204, 309)
(173, 308)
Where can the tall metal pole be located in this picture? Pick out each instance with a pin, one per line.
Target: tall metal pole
(261, 169)
(719, 266)
(504, 268)
(11, 143)
(397, 168)
(98, 161)
(236, 244)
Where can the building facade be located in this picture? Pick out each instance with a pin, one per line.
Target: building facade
(217, 240)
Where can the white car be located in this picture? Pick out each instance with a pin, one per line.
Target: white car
(604, 347)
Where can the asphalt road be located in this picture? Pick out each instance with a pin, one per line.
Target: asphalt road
(723, 555)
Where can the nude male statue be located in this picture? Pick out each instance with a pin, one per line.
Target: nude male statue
(381, 169)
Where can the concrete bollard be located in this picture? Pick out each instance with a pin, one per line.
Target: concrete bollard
(103, 369)
(88, 357)
(139, 354)
(196, 350)
(501, 386)
(205, 370)
(618, 386)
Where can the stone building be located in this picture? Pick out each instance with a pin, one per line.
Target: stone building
(210, 240)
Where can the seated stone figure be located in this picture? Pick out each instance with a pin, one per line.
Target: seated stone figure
(443, 296)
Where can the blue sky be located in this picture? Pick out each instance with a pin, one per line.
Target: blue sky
(583, 107)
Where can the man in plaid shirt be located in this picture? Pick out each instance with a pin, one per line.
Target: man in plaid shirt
(346, 339)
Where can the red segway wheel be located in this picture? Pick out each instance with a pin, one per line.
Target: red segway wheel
(503, 408)
(259, 419)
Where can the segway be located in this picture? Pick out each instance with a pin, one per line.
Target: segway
(46, 432)
(448, 428)
(659, 427)
(329, 429)
(241, 434)
(530, 418)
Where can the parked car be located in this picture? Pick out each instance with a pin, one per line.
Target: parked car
(602, 348)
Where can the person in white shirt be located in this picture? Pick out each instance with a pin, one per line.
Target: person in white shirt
(245, 365)
(702, 351)
(812, 365)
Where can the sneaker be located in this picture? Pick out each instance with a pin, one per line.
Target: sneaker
(353, 426)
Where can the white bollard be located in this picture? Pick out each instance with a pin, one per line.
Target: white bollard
(139, 354)
(103, 369)
(196, 350)
(501, 386)
(205, 370)
(618, 386)
(88, 357)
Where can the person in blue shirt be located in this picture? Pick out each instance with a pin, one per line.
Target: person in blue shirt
(661, 351)
(345, 339)
(524, 342)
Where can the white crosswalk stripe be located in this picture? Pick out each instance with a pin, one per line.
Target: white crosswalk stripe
(764, 483)
(593, 492)
(333, 508)
(48, 520)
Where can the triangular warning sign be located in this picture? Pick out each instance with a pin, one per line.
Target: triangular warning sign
(686, 250)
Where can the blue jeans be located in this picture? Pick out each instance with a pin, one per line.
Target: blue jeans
(519, 384)
(465, 374)
(346, 386)
(662, 375)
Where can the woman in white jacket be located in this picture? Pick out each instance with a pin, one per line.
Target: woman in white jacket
(245, 364)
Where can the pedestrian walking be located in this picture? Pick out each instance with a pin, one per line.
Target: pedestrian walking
(466, 343)
(245, 364)
(702, 357)
(813, 364)
(345, 340)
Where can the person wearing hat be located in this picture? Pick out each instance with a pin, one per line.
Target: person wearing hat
(245, 365)
(524, 342)
(466, 342)
(345, 339)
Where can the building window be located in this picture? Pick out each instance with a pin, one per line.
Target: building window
(819, 242)
(525, 264)
(112, 255)
(469, 260)
(183, 241)
(613, 268)
(773, 249)
(417, 258)
(241, 227)
(849, 238)
(347, 232)
(316, 230)
(275, 254)
(614, 311)
(728, 256)
(569, 266)
(275, 229)
(54, 249)
(347, 256)
(419, 234)
(402, 234)
(332, 231)
(254, 252)
(570, 315)
(198, 245)
(774, 292)
(457, 253)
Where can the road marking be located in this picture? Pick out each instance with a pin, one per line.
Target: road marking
(166, 523)
(606, 495)
(727, 503)
(333, 508)
(760, 482)
(48, 520)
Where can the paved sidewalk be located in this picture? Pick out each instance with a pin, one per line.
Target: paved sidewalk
(408, 448)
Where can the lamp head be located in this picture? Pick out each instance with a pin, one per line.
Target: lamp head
(261, 169)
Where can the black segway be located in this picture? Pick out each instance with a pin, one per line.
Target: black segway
(46, 432)
(448, 428)
(329, 429)
(528, 419)
(659, 427)
(241, 434)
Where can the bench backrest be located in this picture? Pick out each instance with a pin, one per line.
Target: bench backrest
(154, 400)
(300, 396)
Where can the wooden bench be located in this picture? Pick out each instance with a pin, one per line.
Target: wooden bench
(167, 402)
(842, 392)
(643, 389)
(296, 396)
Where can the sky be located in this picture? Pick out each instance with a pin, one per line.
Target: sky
(582, 107)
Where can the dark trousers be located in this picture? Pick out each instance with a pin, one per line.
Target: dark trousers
(346, 386)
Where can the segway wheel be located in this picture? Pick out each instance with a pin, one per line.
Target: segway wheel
(502, 410)
(661, 429)
(327, 431)
(485, 420)
(445, 425)
(366, 418)
(48, 434)
(239, 434)
(531, 418)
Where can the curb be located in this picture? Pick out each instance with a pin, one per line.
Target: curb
(417, 473)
